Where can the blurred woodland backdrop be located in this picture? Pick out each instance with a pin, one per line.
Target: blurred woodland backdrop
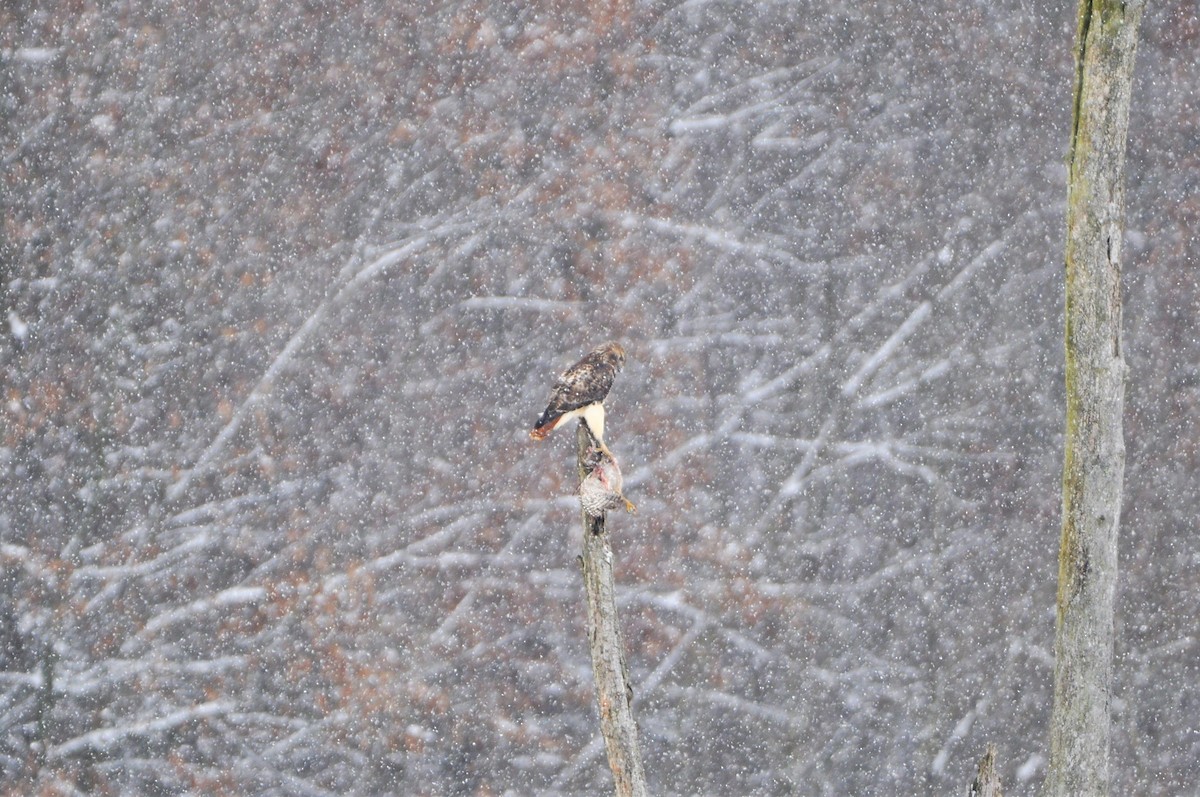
(285, 285)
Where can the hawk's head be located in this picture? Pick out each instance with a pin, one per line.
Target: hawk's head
(613, 354)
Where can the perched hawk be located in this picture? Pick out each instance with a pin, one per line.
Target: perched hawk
(600, 490)
(579, 393)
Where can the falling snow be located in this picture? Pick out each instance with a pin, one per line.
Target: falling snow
(285, 286)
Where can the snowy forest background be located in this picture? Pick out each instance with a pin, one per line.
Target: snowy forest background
(286, 284)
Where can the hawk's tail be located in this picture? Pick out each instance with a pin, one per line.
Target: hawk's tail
(545, 426)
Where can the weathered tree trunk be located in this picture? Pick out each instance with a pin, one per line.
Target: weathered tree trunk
(614, 694)
(1094, 462)
(987, 782)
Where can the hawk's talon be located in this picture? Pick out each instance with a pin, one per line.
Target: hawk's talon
(604, 452)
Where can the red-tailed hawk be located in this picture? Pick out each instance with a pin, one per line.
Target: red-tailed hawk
(600, 490)
(579, 393)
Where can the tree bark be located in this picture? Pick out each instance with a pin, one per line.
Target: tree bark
(1094, 459)
(614, 694)
(987, 782)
